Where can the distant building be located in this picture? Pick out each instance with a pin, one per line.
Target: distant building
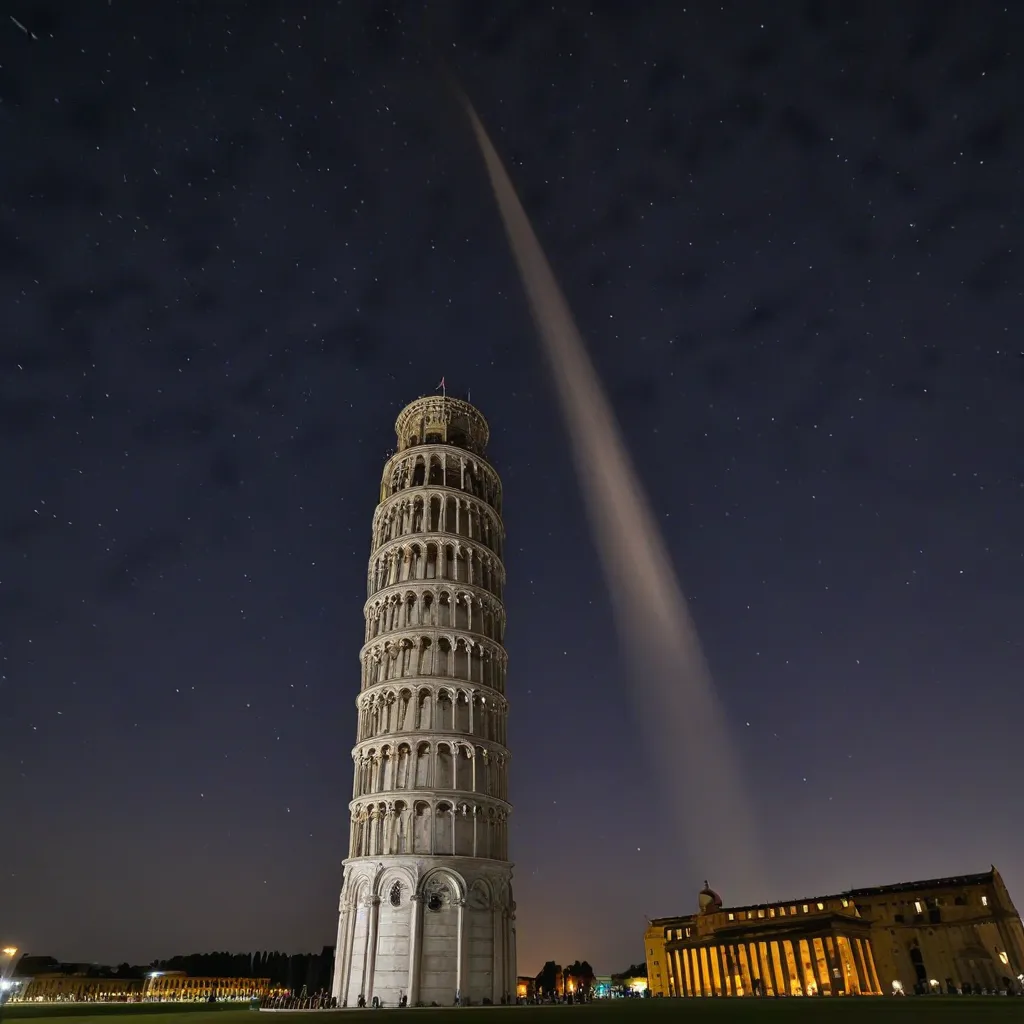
(526, 988)
(177, 986)
(45, 980)
(960, 934)
(77, 988)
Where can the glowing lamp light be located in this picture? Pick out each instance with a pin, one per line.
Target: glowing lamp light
(10, 950)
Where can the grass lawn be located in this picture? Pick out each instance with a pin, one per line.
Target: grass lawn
(968, 1009)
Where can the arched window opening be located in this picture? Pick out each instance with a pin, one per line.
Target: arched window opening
(426, 657)
(445, 778)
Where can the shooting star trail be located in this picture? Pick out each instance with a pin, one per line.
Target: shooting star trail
(672, 685)
(23, 28)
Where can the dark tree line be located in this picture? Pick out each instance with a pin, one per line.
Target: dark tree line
(551, 980)
(293, 971)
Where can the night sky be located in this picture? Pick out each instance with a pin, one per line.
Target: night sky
(235, 239)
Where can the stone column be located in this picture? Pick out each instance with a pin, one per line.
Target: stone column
(754, 968)
(671, 974)
(350, 937)
(414, 948)
(726, 975)
(860, 971)
(370, 962)
(833, 964)
(498, 972)
(460, 909)
(774, 970)
(510, 951)
(340, 949)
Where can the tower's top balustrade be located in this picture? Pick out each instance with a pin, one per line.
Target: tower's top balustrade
(438, 419)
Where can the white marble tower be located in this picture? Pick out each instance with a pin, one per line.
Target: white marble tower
(426, 906)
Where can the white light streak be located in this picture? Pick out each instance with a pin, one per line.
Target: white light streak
(676, 702)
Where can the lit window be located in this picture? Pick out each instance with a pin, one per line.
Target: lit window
(805, 908)
(760, 913)
(984, 901)
(846, 903)
(917, 906)
(821, 906)
(782, 911)
(732, 917)
(1004, 958)
(771, 911)
(792, 910)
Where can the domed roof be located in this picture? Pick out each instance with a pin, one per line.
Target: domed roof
(708, 899)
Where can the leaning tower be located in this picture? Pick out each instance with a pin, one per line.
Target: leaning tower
(426, 908)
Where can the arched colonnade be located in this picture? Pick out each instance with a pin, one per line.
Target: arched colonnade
(445, 656)
(432, 708)
(435, 559)
(444, 764)
(434, 828)
(437, 606)
(442, 467)
(438, 512)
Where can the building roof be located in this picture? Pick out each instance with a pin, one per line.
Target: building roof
(952, 882)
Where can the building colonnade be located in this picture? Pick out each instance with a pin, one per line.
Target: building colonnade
(430, 466)
(442, 708)
(447, 515)
(827, 964)
(440, 655)
(430, 828)
(464, 607)
(434, 558)
(439, 765)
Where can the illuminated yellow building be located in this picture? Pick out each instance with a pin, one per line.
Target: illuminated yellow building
(167, 986)
(177, 986)
(941, 935)
(71, 988)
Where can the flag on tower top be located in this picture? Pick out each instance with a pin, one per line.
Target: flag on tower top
(440, 387)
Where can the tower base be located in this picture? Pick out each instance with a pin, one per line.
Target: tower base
(436, 930)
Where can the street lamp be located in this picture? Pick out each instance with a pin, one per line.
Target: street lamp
(10, 952)
(7, 969)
